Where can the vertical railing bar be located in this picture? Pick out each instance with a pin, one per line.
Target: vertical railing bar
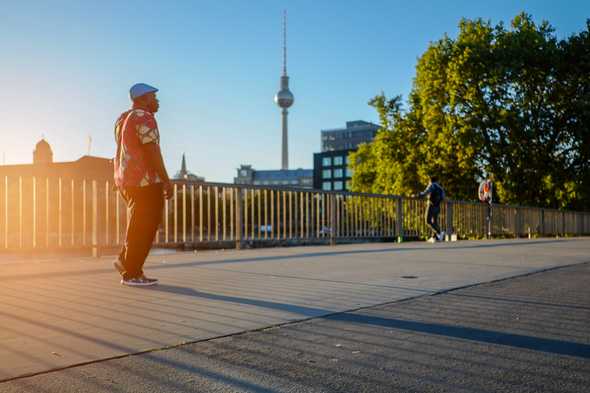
(106, 214)
(272, 214)
(175, 213)
(94, 219)
(252, 214)
(259, 195)
(265, 214)
(358, 217)
(47, 212)
(307, 216)
(83, 211)
(216, 213)
(118, 217)
(200, 212)
(239, 215)
(231, 213)
(209, 211)
(223, 209)
(59, 212)
(34, 212)
(325, 216)
(5, 211)
(293, 214)
(344, 216)
(166, 221)
(192, 213)
(339, 207)
(245, 213)
(277, 204)
(301, 213)
(315, 214)
(184, 212)
(20, 212)
(284, 193)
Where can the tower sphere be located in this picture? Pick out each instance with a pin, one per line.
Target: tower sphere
(284, 98)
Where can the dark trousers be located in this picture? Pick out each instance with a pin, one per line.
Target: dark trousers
(432, 218)
(145, 204)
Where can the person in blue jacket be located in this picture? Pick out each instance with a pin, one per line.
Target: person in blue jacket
(436, 194)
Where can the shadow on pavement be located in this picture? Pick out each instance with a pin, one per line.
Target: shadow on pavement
(559, 347)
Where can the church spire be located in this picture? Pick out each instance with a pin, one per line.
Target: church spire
(183, 166)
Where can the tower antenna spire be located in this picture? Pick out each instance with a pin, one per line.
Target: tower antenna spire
(284, 42)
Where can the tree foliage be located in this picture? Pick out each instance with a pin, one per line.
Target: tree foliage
(509, 102)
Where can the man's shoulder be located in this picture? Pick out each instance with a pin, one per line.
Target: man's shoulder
(141, 118)
(141, 115)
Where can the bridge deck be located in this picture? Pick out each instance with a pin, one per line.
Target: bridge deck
(56, 313)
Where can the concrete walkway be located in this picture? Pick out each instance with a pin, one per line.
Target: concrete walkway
(60, 313)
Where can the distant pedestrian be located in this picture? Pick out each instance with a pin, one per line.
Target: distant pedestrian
(436, 194)
(486, 195)
(141, 177)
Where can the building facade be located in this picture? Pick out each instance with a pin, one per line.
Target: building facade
(86, 167)
(331, 170)
(350, 137)
(296, 178)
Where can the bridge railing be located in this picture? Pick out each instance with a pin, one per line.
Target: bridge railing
(59, 213)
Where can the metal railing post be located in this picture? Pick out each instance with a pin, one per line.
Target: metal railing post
(449, 224)
(94, 220)
(20, 212)
(400, 220)
(332, 207)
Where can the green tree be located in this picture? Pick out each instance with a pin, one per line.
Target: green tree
(509, 102)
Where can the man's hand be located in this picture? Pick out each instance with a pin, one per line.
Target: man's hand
(168, 190)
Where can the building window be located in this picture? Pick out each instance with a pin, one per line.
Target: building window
(327, 161)
(338, 160)
(337, 173)
(349, 172)
(327, 174)
(327, 186)
(346, 161)
(338, 185)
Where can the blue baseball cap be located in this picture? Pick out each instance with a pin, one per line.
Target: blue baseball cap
(139, 89)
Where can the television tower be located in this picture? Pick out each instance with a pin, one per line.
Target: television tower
(284, 99)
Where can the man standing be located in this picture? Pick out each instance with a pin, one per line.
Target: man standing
(436, 194)
(486, 195)
(141, 177)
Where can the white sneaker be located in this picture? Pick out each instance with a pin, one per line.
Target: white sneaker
(431, 240)
(139, 282)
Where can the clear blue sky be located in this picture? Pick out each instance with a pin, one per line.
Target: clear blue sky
(66, 68)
